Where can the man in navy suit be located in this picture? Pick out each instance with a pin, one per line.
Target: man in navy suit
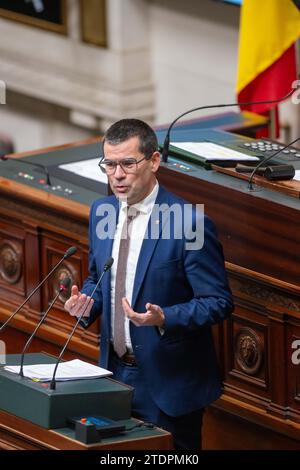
(175, 288)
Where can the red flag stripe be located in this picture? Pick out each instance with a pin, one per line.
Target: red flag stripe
(272, 83)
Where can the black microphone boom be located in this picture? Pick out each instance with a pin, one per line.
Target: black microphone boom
(70, 251)
(107, 266)
(39, 165)
(65, 284)
(165, 150)
(265, 160)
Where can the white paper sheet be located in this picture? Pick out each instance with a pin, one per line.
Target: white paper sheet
(86, 169)
(211, 151)
(69, 370)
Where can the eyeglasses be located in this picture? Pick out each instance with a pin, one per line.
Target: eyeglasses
(128, 165)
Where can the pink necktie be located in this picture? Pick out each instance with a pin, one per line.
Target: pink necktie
(119, 320)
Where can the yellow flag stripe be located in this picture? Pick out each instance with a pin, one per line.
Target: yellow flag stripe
(267, 29)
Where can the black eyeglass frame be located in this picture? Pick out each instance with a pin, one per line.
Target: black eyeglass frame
(134, 161)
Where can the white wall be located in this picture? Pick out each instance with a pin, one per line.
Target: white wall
(101, 84)
(164, 57)
(194, 54)
(30, 132)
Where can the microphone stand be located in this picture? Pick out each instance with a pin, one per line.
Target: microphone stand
(165, 150)
(265, 160)
(65, 284)
(67, 254)
(107, 266)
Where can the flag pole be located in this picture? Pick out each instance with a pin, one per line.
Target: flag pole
(272, 123)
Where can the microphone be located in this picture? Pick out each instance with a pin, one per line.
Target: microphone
(107, 266)
(65, 284)
(268, 170)
(39, 165)
(166, 145)
(70, 251)
(271, 172)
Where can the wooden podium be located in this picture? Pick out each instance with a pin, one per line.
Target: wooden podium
(260, 233)
(19, 434)
(32, 416)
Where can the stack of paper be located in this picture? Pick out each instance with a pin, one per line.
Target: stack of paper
(69, 370)
(297, 175)
(211, 151)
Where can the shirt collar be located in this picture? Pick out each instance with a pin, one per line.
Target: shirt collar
(146, 205)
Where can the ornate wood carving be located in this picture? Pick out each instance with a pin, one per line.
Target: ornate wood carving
(248, 350)
(268, 295)
(10, 262)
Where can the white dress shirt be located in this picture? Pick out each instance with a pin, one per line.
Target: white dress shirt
(138, 228)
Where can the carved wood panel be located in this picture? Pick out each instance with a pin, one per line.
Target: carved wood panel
(12, 241)
(53, 247)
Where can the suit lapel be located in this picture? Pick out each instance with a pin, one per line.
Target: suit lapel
(106, 252)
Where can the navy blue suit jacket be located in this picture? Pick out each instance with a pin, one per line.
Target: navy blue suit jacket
(180, 366)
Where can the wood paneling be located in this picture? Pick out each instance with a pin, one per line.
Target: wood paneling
(260, 406)
(30, 245)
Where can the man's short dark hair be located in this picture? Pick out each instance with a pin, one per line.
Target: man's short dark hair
(125, 129)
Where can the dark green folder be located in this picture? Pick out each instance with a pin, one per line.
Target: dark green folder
(230, 141)
(35, 401)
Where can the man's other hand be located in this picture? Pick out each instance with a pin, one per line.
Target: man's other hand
(154, 315)
(78, 303)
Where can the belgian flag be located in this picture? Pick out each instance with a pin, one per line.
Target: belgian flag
(267, 57)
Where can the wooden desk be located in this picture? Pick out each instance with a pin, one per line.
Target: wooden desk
(261, 238)
(260, 233)
(18, 434)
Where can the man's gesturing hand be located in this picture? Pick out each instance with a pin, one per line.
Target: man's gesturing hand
(78, 302)
(154, 315)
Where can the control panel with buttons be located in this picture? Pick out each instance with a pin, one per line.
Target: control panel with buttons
(266, 148)
(56, 188)
(179, 165)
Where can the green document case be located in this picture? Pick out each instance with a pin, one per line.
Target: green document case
(35, 402)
